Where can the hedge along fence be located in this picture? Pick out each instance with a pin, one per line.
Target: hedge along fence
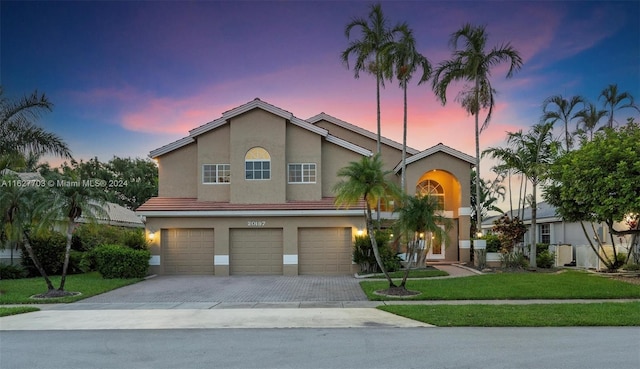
(116, 261)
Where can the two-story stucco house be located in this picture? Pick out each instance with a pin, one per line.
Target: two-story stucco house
(251, 193)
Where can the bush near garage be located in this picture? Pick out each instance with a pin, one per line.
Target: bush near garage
(363, 253)
(88, 236)
(117, 261)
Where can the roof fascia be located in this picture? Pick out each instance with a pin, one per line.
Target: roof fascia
(348, 145)
(244, 213)
(435, 149)
(170, 147)
(360, 131)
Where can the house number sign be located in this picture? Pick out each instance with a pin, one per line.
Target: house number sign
(256, 223)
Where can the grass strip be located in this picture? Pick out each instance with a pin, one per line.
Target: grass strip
(19, 291)
(535, 315)
(6, 311)
(514, 286)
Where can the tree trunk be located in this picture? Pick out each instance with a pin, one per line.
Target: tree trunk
(378, 138)
(403, 178)
(586, 234)
(534, 214)
(374, 246)
(411, 250)
(67, 252)
(478, 199)
(43, 273)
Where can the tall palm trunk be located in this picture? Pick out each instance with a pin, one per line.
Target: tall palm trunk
(403, 178)
(374, 245)
(67, 253)
(36, 262)
(534, 214)
(378, 144)
(478, 199)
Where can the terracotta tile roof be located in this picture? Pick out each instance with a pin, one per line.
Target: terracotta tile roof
(192, 204)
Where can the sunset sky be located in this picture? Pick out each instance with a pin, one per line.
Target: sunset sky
(127, 77)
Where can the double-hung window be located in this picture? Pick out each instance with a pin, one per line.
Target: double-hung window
(545, 233)
(302, 173)
(216, 173)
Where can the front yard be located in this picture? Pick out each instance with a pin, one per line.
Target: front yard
(513, 286)
(518, 286)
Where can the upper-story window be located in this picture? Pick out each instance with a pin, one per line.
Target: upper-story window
(257, 164)
(431, 188)
(216, 173)
(302, 173)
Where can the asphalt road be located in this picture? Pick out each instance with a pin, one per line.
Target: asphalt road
(548, 348)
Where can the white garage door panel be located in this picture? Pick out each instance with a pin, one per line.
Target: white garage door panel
(324, 251)
(187, 251)
(256, 251)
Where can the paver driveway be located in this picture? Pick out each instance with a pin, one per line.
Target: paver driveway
(238, 289)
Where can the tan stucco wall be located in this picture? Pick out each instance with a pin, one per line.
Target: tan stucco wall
(258, 128)
(178, 173)
(222, 227)
(334, 157)
(302, 147)
(390, 155)
(213, 148)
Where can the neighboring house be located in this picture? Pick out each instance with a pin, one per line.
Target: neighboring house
(553, 230)
(251, 193)
(114, 215)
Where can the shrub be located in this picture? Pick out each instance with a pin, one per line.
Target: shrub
(545, 259)
(8, 271)
(514, 260)
(134, 238)
(91, 235)
(632, 267)
(363, 253)
(493, 242)
(116, 261)
(49, 249)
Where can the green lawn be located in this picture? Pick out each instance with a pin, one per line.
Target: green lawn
(19, 291)
(544, 315)
(506, 286)
(6, 311)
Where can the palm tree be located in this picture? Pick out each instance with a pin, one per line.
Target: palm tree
(563, 110)
(588, 119)
(473, 64)
(490, 194)
(533, 153)
(407, 60)
(365, 180)
(421, 215)
(23, 216)
(370, 51)
(19, 136)
(71, 203)
(612, 101)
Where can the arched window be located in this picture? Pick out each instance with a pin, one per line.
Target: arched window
(431, 188)
(257, 164)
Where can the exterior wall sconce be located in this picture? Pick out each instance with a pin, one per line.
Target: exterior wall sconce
(360, 232)
(152, 235)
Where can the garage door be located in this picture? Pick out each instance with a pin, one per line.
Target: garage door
(324, 251)
(187, 251)
(255, 251)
